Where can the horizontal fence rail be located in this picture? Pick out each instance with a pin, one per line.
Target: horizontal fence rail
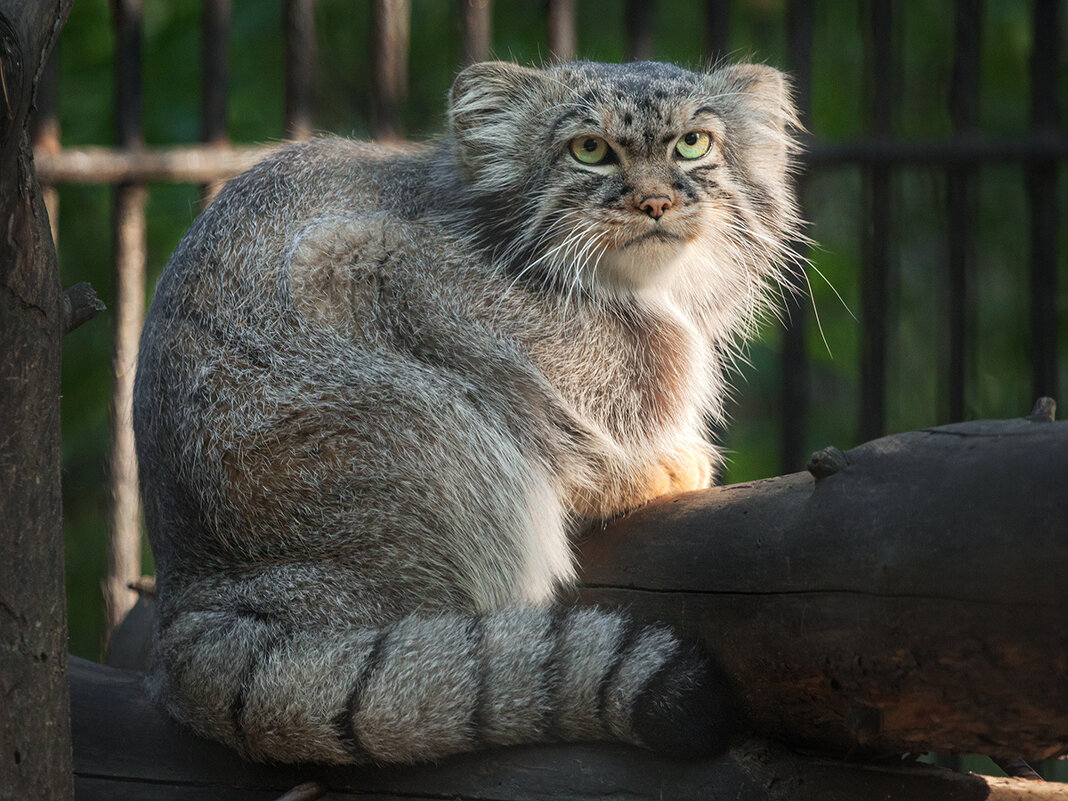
(192, 164)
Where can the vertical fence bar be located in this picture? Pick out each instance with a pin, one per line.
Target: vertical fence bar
(717, 28)
(215, 79)
(638, 27)
(389, 65)
(960, 194)
(562, 29)
(124, 512)
(1043, 201)
(476, 29)
(876, 248)
(794, 362)
(45, 132)
(298, 25)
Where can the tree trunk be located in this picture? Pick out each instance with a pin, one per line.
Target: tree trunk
(35, 753)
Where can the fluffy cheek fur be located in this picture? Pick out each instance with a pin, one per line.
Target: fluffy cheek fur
(704, 238)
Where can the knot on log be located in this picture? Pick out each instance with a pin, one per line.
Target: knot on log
(1043, 411)
(827, 462)
(80, 304)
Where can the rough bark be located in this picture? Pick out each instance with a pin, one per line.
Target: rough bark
(910, 599)
(35, 754)
(124, 746)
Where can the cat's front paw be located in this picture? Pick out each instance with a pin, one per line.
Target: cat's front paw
(684, 469)
(688, 468)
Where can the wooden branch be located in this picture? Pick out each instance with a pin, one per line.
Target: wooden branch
(80, 305)
(909, 598)
(124, 747)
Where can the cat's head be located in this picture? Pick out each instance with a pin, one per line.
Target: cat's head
(627, 176)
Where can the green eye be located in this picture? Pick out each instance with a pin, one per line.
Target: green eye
(589, 149)
(693, 145)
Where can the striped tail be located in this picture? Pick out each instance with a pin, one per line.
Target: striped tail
(425, 687)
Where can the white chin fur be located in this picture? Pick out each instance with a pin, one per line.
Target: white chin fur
(646, 265)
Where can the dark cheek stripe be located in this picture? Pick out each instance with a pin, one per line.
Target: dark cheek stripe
(682, 183)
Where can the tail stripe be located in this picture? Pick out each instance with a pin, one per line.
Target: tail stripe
(275, 638)
(624, 644)
(551, 672)
(344, 723)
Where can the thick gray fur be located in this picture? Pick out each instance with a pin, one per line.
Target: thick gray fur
(379, 389)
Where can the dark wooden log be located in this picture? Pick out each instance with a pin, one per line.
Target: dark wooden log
(34, 710)
(903, 596)
(124, 747)
(910, 597)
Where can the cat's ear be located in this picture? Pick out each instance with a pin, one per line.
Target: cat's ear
(762, 97)
(487, 104)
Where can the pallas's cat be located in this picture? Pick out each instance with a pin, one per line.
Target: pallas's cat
(378, 391)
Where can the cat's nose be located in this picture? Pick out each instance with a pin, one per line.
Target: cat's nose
(655, 205)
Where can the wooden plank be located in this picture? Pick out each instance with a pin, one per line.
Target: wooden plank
(299, 26)
(390, 33)
(183, 164)
(476, 28)
(562, 38)
(127, 305)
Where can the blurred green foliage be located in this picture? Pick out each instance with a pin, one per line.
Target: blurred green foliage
(998, 384)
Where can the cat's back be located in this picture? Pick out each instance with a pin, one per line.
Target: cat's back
(236, 251)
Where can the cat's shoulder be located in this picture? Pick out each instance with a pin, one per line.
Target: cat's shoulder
(330, 172)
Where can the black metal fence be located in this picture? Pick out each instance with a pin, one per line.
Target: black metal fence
(880, 157)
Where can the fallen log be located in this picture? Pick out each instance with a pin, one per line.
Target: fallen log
(907, 596)
(902, 597)
(126, 748)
